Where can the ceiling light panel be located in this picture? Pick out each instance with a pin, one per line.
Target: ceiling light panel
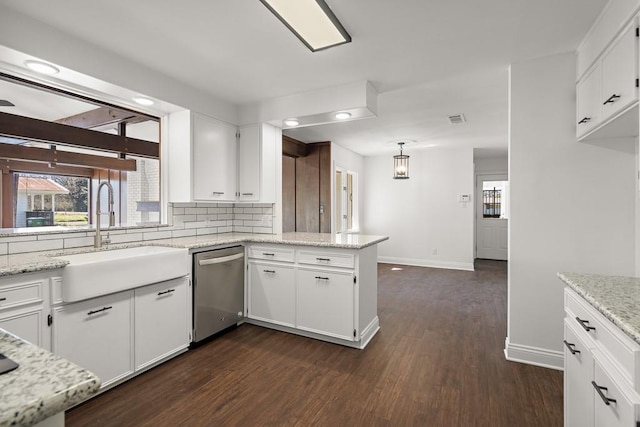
(311, 21)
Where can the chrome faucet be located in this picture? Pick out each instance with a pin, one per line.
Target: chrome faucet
(98, 241)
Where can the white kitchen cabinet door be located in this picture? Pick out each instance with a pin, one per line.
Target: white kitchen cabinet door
(619, 74)
(325, 302)
(578, 373)
(214, 159)
(161, 321)
(257, 163)
(589, 105)
(97, 334)
(23, 300)
(28, 325)
(616, 405)
(272, 293)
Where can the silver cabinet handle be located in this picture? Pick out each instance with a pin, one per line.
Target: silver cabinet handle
(268, 254)
(100, 310)
(218, 193)
(166, 292)
(3, 299)
(322, 278)
(247, 194)
(324, 259)
(270, 271)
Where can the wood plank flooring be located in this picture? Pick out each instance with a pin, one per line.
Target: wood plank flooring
(437, 361)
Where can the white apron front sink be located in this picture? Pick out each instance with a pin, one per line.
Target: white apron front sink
(93, 274)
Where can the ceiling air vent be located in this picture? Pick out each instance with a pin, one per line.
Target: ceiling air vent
(456, 119)
(5, 103)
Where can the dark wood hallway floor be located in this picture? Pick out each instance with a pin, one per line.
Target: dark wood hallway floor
(437, 361)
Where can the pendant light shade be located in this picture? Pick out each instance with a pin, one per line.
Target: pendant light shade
(401, 165)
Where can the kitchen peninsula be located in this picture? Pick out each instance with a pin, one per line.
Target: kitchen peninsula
(321, 286)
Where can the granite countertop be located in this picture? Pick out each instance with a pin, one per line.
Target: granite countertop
(42, 386)
(616, 297)
(46, 260)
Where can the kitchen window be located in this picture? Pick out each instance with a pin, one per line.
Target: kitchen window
(52, 136)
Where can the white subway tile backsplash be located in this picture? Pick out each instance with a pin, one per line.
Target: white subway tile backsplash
(126, 238)
(242, 229)
(263, 230)
(34, 246)
(77, 242)
(183, 233)
(195, 224)
(56, 236)
(4, 248)
(178, 211)
(253, 210)
(227, 229)
(18, 239)
(206, 230)
(155, 235)
(238, 210)
(267, 211)
(195, 211)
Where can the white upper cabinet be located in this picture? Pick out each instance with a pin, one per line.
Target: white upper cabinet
(607, 92)
(619, 74)
(209, 160)
(257, 163)
(214, 159)
(588, 101)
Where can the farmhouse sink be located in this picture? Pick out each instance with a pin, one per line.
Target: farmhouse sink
(98, 273)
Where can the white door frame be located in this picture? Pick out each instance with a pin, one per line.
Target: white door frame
(480, 178)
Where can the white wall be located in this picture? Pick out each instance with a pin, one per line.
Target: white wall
(492, 165)
(35, 38)
(572, 205)
(350, 162)
(422, 213)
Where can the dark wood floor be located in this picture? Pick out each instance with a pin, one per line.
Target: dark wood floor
(437, 361)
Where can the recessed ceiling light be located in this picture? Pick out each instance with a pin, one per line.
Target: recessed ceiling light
(291, 122)
(143, 101)
(342, 115)
(41, 67)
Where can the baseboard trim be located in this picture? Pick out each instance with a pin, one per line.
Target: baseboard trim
(450, 265)
(533, 355)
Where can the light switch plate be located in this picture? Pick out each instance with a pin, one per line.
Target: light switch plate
(464, 198)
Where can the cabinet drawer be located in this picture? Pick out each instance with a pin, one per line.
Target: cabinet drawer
(21, 294)
(272, 253)
(606, 336)
(333, 259)
(615, 404)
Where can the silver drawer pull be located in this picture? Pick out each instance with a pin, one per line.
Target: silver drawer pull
(218, 193)
(324, 259)
(607, 400)
(322, 278)
(247, 194)
(571, 347)
(585, 324)
(268, 254)
(98, 311)
(3, 299)
(270, 271)
(166, 292)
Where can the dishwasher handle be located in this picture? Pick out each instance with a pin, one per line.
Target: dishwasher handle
(221, 259)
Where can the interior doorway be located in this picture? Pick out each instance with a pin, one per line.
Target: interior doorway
(492, 216)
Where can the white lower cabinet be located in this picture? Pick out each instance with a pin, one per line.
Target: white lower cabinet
(325, 302)
(578, 368)
(97, 334)
(24, 307)
(118, 335)
(601, 381)
(324, 293)
(615, 404)
(161, 321)
(272, 293)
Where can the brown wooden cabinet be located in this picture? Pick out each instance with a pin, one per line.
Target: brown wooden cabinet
(306, 186)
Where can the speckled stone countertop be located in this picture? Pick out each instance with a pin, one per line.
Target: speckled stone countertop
(616, 297)
(46, 260)
(42, 386)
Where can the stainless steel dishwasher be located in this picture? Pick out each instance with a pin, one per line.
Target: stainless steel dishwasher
(218, 290)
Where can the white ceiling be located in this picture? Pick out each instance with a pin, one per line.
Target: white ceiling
(426, 58)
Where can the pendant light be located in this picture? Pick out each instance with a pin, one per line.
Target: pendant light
(401, 165)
